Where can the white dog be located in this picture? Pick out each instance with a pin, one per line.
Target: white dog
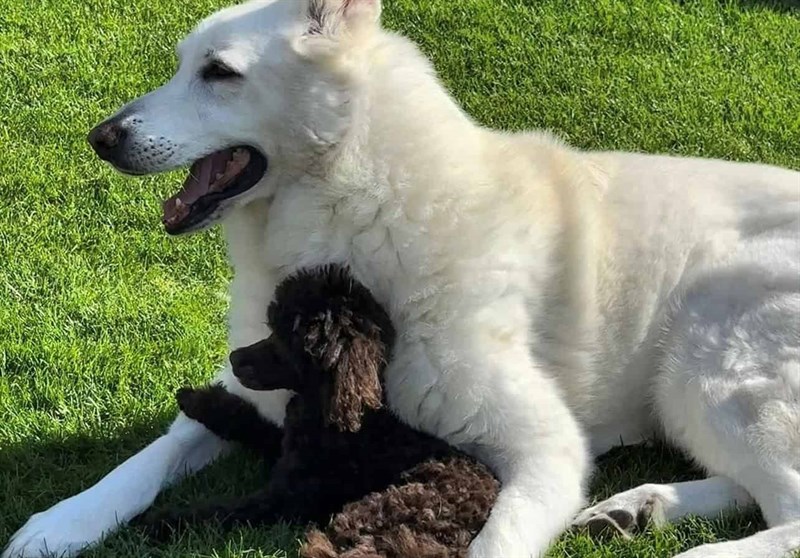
(550, 303)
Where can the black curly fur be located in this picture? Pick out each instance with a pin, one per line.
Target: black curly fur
(230, 417)
(330, 289)
(330, 342)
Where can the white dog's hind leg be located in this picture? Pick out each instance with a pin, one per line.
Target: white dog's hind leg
(633, 509)
(778, 494)
(730, 395)
(83, 520)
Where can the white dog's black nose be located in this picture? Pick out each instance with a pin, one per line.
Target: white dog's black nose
(108, 140)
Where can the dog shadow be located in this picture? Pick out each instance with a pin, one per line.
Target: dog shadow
(627, 467)
(36, 475)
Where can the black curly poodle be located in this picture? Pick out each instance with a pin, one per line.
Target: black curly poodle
(393, 491)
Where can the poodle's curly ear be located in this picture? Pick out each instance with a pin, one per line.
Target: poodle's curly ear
(343, 335)
(357, 382)
(350, 353)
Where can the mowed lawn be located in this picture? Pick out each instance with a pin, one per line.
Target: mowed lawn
(102, 317)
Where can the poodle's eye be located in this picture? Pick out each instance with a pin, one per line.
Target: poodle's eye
(217, 71)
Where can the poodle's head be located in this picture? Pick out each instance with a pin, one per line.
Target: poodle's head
(330, 342)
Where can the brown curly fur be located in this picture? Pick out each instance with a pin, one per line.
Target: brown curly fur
(399, 493)
(435, 513)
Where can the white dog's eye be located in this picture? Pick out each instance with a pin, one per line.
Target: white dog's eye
(217, 71)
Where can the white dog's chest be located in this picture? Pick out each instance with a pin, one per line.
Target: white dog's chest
(391, 257)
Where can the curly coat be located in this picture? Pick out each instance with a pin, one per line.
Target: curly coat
(395, 492)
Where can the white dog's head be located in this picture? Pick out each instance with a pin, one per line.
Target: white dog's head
(261, 89)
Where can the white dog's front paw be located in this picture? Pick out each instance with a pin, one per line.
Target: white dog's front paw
(62, 531)
(623, 514)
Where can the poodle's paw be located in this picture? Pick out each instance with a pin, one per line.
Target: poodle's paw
(624, 514)
(64, 530)
(193, 401)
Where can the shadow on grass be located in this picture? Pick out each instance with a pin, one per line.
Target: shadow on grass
(627, 467)
(36, 475)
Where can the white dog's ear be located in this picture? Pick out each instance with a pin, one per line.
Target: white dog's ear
(333, 22)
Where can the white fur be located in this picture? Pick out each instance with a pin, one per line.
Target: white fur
(669, 502)
(780, 542)
(550, 302)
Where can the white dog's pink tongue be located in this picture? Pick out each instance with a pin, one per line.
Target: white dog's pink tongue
(199, 182)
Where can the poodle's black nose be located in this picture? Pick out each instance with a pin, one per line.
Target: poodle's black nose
(243, 362)
(265, 366)
(255, 365)
(239, 358)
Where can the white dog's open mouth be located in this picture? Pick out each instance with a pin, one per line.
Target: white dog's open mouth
(212, 180)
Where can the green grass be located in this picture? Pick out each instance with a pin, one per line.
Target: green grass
(102, 316)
